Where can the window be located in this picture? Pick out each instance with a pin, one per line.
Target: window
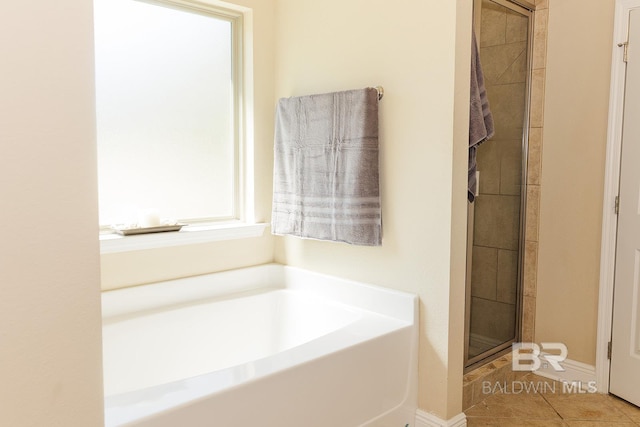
(168, 91)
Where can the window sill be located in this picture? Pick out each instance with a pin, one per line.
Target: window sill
(189, 235)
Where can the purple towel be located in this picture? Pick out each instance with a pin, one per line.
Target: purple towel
(326, 168)
(480, 118)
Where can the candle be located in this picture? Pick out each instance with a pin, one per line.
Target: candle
(148, 218)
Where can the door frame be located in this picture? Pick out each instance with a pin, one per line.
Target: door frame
(611, 191)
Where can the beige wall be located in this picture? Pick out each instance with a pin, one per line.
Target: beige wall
(575, 127)
(156, 265)
(50, 328)
(147, 266)
(410, 49)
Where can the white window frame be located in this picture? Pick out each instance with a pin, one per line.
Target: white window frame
(242, 224)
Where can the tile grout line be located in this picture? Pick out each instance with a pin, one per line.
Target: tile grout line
(628, 420)
(553, 407)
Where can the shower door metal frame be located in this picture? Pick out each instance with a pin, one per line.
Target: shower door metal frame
(527, 9)
(521, 6)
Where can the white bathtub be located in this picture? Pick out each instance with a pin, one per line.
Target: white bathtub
(262, 346)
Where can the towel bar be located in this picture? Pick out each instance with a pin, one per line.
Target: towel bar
(380, 90)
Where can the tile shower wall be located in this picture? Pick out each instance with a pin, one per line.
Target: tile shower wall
(500, 368)
(534, 170)
(494, 278)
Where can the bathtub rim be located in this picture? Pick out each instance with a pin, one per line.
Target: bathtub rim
(254, 278)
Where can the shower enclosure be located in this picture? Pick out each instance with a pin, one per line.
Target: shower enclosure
(496, 218)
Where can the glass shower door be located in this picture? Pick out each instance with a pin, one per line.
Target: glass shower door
(495, 234)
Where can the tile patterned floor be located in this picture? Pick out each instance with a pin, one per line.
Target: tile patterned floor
(548, 404)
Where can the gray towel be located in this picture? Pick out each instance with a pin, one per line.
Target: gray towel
(326, 168)
(480, 118)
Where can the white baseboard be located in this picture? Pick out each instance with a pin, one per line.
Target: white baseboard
(574, 372)
(425, 419)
